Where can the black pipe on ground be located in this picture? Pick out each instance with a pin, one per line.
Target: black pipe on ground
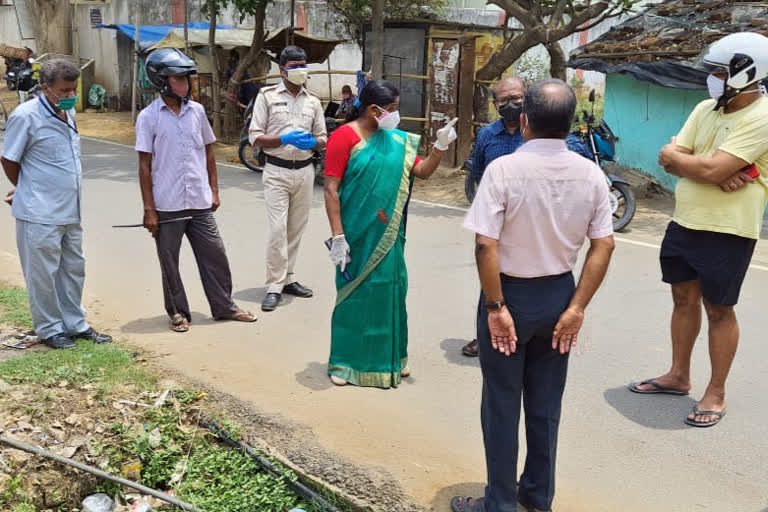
(297, 487)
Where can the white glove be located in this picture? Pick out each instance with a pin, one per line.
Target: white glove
(446, 135)
(340, 252)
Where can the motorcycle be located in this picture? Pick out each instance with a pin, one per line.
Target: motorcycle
(255, 160)
(22, 78)
(601, 141)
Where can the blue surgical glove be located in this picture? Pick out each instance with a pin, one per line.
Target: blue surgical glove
(307, 141)
(293, 137)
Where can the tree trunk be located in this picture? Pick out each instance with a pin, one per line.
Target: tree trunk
(558, 62)
(216, 96)
(52, 26)
(257, 44)
(377, 40)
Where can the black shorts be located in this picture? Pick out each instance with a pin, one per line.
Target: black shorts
(718, 260)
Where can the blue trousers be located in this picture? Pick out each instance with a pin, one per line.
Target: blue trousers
(535, 374)
(54, 271)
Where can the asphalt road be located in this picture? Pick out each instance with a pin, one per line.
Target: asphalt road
(617, 452)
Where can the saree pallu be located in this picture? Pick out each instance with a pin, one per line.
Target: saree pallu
(369, 328)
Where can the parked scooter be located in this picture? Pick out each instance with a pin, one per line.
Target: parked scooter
(601, 141)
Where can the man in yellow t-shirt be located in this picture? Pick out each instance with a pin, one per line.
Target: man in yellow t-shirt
(721, 158)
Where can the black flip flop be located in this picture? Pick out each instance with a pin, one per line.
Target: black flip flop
(703, 424)
(657, 389)
(468, 504)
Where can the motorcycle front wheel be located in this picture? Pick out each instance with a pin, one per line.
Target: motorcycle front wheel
(626, 205)
(248, 157)
(470, 187)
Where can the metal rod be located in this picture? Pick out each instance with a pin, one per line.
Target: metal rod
(159, 222)
(97, 472)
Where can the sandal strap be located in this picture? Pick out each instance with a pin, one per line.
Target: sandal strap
(697, 412)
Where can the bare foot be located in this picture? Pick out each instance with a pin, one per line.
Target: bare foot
(666, 381)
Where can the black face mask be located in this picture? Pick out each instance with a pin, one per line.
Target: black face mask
(511, 112)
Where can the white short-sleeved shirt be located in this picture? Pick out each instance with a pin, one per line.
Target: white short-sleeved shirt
(48, 150)
(541, 203)
(177, 144)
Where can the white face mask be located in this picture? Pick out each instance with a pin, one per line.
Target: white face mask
(389, 120)
(297, 76)
(716, 87)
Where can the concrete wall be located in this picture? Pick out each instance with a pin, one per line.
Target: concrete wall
(644, 117)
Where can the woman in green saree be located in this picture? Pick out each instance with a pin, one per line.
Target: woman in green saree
(370, 167)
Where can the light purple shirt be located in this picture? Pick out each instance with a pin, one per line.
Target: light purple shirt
(177, 145)
(541, 203)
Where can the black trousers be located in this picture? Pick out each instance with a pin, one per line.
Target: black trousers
(534, 374)
(212, 263)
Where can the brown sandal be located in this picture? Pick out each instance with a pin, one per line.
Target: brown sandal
(179, 323)
(240, 316)
(470, 349)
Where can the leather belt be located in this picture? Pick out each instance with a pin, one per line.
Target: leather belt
(508, 278)
(288, 164)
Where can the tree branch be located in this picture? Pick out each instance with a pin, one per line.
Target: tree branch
(558, 12)
(515, 10)
(613, 12)
(579, 18)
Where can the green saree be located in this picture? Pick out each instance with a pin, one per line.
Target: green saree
(369, 329)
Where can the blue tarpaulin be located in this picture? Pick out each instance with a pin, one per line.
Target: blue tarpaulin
(151, 34)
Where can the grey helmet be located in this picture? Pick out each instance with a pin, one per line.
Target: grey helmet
(165, 62)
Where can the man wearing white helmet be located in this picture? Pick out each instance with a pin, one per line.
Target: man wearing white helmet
(721, 158)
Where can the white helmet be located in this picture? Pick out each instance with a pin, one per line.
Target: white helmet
(743, 56)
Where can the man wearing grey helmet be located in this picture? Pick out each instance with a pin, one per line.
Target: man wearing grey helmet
(180, 190)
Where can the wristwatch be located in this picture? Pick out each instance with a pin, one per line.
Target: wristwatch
(494, 306)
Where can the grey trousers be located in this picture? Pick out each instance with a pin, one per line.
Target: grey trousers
(54, 271)
(212, 263)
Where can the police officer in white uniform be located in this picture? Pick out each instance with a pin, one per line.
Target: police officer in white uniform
(289, 124)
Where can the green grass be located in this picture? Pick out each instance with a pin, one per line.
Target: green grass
(14, 308)
(104, 365)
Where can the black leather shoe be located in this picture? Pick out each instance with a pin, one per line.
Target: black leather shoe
(270, 302)
(93, 336)
(59, 341)
(297, 290)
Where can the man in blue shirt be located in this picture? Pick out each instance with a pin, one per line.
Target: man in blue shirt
(503, 137)
(41, 158)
